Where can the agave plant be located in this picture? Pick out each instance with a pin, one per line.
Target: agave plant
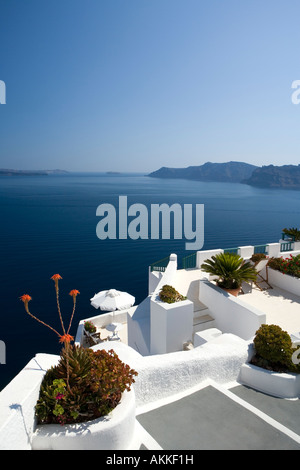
(231, 270)
(97, 380)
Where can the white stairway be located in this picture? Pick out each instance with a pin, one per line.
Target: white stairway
(203, 320)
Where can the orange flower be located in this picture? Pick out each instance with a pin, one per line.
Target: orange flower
(55, 278)
(25, 298)
(74, 293)
(66, 338)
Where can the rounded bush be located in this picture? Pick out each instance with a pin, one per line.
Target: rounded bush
(273, 345)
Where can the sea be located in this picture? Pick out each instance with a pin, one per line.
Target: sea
(48, 226)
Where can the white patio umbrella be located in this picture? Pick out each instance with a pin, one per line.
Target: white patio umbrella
(112, 299)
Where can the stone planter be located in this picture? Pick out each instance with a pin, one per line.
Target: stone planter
(280, 385)
(234, 292)
(284, 281)
(112, 432)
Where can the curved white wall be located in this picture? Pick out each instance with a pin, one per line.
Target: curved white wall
(112, 432)
(160, 376)
(18, 400)
(231, 314)
(163, 375)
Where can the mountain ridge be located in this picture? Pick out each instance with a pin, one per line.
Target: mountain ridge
(233, 172)
(268, 176)
(271, 176)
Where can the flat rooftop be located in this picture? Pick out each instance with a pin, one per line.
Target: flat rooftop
(220, 418)
(281, 307)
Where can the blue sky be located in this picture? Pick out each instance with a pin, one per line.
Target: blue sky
(133, 85)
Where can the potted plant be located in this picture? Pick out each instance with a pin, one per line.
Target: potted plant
(90, 327)
(257, 257)
(289, 265)
(274, 349)
(170, 295)
(274, 367)
(231, 270)
(86, 386)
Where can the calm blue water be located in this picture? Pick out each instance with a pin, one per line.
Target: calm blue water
(48, 226)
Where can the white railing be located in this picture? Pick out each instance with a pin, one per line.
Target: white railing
(272, 250)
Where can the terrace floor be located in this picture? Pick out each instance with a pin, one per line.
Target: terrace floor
(232, 417)
(281, 307)
(220, 418)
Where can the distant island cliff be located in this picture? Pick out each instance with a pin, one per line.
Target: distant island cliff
(232, 172)
(286, 176)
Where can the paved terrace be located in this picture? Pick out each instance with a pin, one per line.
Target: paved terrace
(281, 307)
(225, 417)
(219, 418)
(232, 417)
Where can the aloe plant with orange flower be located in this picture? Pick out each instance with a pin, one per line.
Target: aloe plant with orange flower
(64, 338)
(85, 384)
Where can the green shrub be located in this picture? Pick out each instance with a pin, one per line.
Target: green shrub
(289, 265)
(170, 295)
(256, 257)
(274, 349)
(90, 327)
(275, 263)
(97, 380)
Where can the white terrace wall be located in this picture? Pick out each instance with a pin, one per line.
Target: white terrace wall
(231, 314)
(138, 327)
(204, 255)
(284, 281)
(140, 324)
(159, 377)
(17, 403)
(164, 375)
(102, 320)
(272, 251)
(171, 325)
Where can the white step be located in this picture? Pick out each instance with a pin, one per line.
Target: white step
(203, 320)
